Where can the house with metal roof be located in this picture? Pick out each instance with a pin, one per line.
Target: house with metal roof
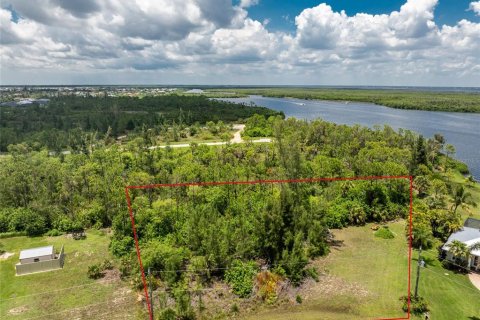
(39, 259)
(469, 235)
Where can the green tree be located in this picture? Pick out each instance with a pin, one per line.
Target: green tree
(461, 197)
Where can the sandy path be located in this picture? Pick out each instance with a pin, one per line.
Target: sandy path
(237, 138)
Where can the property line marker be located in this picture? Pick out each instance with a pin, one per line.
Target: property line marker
(306, 180)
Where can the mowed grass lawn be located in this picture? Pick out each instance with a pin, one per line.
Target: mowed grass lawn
(450, 295)
(372, 275)
(65, 293)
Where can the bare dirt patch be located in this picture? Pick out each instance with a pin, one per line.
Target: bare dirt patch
(6, 255)
(111, 275)
(18, 310)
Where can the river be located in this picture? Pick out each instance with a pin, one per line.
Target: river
(459, 129)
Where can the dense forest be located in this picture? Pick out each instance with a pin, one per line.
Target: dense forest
(64, 121)
(399, 99)
(230, 232)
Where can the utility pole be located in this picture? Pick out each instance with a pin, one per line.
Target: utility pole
(419, 264)
(150, 291)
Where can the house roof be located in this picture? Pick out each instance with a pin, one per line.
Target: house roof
(467, 235)
(472, 223)
(36, 252)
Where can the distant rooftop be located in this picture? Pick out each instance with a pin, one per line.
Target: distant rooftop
(36, 252)
(195, 91)
(472, 223)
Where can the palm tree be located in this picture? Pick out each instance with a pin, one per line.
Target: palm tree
(459, 250)
(461, 198)
(475, 246)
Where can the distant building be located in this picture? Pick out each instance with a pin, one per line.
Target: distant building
(469, 235)
(196, 91)
(39, 260)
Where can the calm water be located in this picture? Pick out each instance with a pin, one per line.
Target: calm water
(460, 129)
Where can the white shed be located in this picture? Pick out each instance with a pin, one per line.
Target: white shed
(37, 254)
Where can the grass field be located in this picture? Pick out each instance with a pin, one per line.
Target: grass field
(65, 293)
(366, 275)
(371, 275)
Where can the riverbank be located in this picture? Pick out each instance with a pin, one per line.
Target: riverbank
(458, 129)
(393, 98)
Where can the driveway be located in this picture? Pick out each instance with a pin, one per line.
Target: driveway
(475, 279)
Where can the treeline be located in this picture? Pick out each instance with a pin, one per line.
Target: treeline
(399, 99)
(64, 120)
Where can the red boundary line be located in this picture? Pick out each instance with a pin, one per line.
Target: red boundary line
(217, 183)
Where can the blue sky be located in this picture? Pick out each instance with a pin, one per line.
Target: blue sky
(282, 17)
(261, 42)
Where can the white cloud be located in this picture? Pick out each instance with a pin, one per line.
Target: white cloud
(475, 7)
(209, 40)
(248, 3)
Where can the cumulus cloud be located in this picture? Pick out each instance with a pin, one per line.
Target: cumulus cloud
(213, 39)
(248, 3)
(475, 7)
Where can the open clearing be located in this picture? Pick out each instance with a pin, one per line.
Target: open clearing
(370, 274)
(66, 293)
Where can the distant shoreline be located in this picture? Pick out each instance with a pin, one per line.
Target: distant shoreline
(449, 101)
(471, 89)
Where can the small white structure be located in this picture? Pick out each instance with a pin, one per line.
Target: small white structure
(37, 254)
(195, 91)
(39, 260)
(469, 235)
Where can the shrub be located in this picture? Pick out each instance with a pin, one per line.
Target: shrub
(107, 265)
(183, 302)
(54, 233)
(337, 216)
(22, 219)
(294, 261)
(461, 167)
(12, 234)
(417, 305)
(234, 308)
(121, 247)
(163, 256)
(299, 299)
(125, 267)
(4, 220)
(384, 233)
(167, 314)
(64, 224)
(35, 225)
(95, 271)
(312, 273)
(267, 285)
(240, 276)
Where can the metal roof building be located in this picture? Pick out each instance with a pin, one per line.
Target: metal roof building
(37, 252)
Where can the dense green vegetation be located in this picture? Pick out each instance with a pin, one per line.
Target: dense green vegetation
(69, 121)
(208, 230)
(400, 99)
